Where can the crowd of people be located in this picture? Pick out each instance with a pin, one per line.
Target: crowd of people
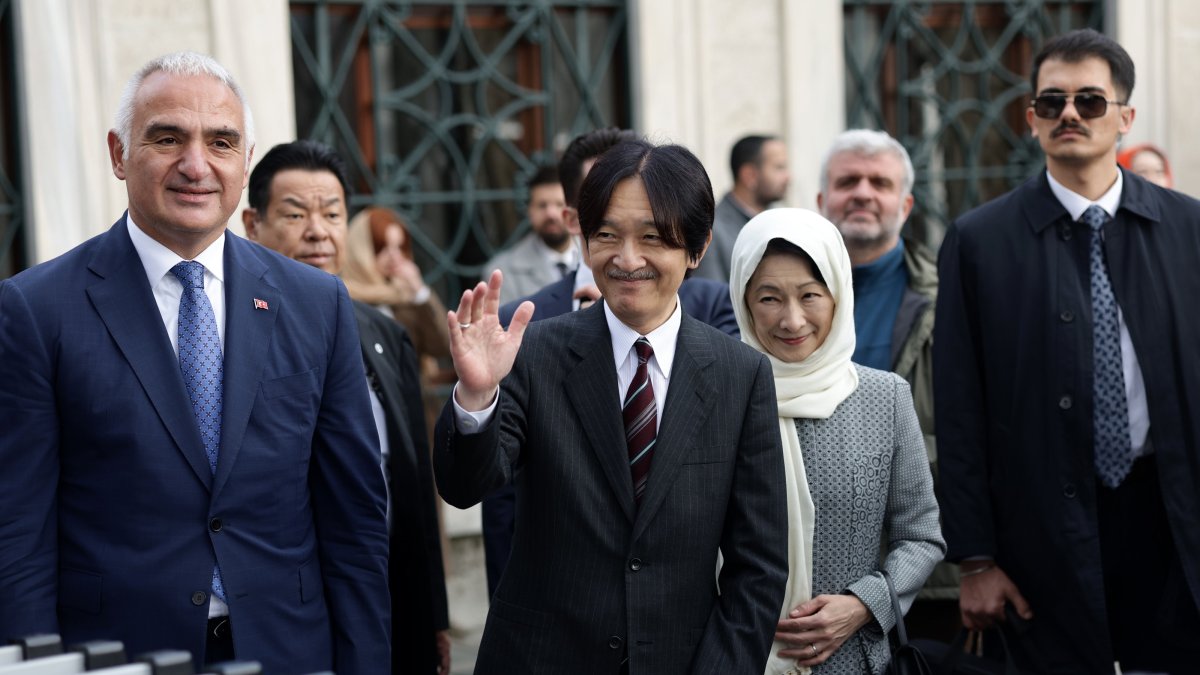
(709, 437)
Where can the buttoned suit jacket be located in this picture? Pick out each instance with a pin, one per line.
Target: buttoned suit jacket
(593, 576)
(416, 574)
(1013, 376)
(113, 520)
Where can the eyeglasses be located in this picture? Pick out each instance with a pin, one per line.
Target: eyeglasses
(1089, 106)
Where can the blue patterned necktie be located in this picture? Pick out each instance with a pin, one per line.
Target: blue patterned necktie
(1110, 418)
(640, 414)
(202, 364)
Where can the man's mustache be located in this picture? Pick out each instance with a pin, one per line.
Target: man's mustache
(644, 274)
(1069, 126)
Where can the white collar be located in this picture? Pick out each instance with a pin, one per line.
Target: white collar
(1076, 204)
(158, 259)
(662, 339)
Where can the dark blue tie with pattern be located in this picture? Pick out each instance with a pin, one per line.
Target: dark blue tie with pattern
(1110, 417)
(202, 364)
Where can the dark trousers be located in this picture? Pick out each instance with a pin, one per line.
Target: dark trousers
(1153, 621)
(218, 645)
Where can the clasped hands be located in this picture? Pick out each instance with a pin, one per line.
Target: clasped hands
(817, 628)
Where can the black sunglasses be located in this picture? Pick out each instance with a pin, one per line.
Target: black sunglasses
(1089, 106)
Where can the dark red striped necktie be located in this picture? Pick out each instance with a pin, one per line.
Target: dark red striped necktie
(641, 419)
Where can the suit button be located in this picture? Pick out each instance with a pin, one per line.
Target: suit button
(1069, 491)
(635, 564)
(1065, 402)
(614, 642)
(199, 598)
(1067, 316)
(215, 524)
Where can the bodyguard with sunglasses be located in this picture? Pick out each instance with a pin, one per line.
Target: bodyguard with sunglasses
(1067, 389)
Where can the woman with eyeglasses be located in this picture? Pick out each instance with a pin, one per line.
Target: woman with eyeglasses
(860, 495)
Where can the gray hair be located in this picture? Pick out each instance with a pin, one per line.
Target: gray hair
(185, 64)
(868, 143)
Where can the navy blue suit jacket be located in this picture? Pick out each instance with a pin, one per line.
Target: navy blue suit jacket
(706, 300)
(112, 520)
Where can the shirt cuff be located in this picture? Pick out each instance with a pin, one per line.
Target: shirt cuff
(467, 422)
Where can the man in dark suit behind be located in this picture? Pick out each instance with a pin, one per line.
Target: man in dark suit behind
(298, 198)
(1068, 385)
(703, 299)
(189, 460)
(623, 507)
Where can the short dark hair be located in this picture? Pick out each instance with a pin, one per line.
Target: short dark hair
(785, 247)
(1086, 43)
(681, 196)
(748, 150)
(303, 155)
(546, 175)
(582, 148)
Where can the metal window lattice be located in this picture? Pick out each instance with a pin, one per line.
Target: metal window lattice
(444, 109)
(950, 80)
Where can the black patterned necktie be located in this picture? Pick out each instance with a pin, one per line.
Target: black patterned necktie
(202, 365)
(1110, 417)
(562, 268)
(641, 419)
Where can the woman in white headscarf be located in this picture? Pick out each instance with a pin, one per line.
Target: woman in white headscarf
(860, 495)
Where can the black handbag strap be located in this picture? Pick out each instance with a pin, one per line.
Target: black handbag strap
(901, 633)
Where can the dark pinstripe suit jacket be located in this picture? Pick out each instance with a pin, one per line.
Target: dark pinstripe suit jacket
(593, 578)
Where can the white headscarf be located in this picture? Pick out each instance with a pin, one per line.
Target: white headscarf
(810, 389)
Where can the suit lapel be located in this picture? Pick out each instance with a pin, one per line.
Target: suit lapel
(592, 389)
(126, 305)
(248, 332)
(691, 394)
(384, 366)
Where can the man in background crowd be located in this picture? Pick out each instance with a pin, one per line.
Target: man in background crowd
(760, 178)
(299, 198)
(866, 191)
(549, 252)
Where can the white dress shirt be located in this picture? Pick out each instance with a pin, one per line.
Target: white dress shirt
(662, 340)
(1135, 386)
(168, 289)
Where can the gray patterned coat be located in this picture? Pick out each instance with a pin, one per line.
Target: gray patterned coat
(870, 482)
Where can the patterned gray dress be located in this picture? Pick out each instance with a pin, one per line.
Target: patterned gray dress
(873, 493)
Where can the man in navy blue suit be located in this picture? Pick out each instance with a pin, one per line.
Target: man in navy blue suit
(704, 299)
(188, 448)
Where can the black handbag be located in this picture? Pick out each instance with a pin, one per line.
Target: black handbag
(907, 658)
(964, 655)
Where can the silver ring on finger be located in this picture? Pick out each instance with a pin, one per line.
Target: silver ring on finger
(814, 648)
(464, 326)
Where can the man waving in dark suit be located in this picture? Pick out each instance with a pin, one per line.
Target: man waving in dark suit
(646, 443)
(187, 447)
(703, 299)
(298, 197)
